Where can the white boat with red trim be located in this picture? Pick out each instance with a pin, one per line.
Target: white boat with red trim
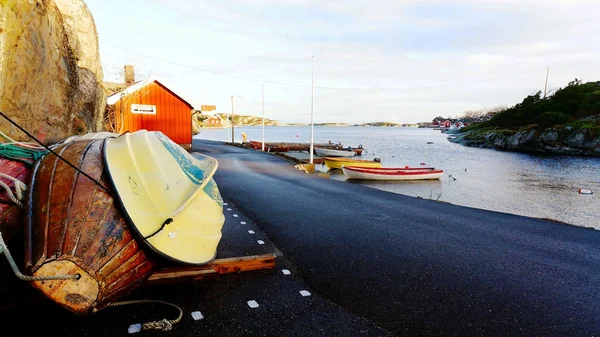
(392, 173)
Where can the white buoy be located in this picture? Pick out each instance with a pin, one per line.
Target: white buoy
(585, 191)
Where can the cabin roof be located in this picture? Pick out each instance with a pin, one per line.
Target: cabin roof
(114, 98)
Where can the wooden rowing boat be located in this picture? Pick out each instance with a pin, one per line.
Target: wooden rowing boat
(285, 147)
(74, 227)
(167, 195)
(12, 219)
(390, 173)
(269, 147)
(277, 149)
(338, 162)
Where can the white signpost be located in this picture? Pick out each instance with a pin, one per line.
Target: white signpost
(143, 109)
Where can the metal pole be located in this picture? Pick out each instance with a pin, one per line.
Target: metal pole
(232, 132)
(312, 98)
(226, 116)
(546, 85)
(263, 117)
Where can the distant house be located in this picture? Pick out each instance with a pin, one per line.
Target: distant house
(152, 105)
(215, 121)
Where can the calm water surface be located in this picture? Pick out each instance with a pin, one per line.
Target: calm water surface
(524, 184)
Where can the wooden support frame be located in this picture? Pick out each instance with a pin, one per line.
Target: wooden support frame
(214, 269)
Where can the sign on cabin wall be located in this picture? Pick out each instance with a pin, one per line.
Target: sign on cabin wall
(143, 109)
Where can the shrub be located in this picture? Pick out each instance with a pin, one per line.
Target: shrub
(552, 118)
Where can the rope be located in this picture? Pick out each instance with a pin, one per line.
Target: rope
(335, 171)
(20, 188)
(11, 196)
(166, 222)
(19, 151)
(164, 324)
(23, 144)
(5, 136)
(4, 250)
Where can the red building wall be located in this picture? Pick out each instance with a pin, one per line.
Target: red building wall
(173, 115)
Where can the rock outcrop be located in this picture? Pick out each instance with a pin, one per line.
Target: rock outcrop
(50, 69)
(562, 140)
(196, 124)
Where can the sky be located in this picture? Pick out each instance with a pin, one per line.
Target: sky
(378, 60)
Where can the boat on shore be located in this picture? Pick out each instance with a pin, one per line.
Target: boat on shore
(285, 147)
(167, 195)
(338, 162)
(358, 150)
(102, 212)
(391, 173)
(75, 230)
(322, 152)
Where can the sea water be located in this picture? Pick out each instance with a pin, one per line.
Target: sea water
(542, 186)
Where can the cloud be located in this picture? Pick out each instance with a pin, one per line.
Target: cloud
(498, 49)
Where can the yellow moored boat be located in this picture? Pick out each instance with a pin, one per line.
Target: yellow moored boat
(337, 162)
(167, 195)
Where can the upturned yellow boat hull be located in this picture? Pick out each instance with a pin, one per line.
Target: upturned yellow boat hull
(167, 195)
(337, 162)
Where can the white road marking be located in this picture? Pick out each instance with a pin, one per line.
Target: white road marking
(197, 315)
(304, 293)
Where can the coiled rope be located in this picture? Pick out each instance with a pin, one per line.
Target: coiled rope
(27, 153)
(164, 324)
(16, 151)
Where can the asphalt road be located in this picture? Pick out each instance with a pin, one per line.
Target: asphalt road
(418, 267)
(287, 306)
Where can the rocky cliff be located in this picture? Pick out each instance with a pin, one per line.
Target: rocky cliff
(50, 69)
(569, 140)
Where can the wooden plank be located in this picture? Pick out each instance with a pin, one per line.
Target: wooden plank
(218, 267)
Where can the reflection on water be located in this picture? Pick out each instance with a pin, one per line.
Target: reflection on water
(428, 189)
(541, 186)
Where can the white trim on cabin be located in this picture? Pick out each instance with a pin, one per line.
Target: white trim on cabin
(114, 98)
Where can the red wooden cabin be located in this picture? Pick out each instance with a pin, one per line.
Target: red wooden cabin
(154, 106)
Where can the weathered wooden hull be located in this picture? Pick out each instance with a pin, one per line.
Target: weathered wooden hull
(74, 226)
(12, 219)
(292, 146)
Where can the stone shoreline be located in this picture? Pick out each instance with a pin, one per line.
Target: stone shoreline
(567, 141)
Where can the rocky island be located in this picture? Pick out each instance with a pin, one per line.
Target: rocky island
(383, 124)
(567, 123)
